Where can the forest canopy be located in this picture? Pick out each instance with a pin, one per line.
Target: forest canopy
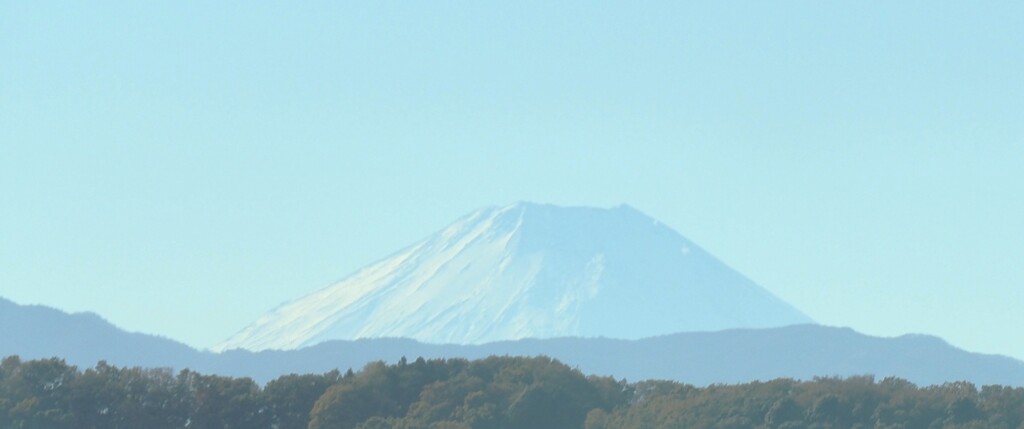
(497, 392)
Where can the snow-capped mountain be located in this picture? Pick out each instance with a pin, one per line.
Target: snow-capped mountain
(529, 271)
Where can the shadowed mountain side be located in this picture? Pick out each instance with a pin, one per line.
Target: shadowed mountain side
(733, 356)
(83, 339)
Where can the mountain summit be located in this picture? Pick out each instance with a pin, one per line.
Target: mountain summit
(529, 270)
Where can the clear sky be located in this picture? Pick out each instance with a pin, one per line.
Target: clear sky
(182, 167)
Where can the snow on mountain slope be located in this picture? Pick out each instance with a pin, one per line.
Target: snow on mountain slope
(529, 270)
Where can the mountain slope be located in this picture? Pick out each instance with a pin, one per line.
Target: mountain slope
(529, 270)
(37, 332)
(700, 358)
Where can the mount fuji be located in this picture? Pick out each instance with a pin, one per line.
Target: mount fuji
(529, 271)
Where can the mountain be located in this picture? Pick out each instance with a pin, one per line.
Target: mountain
(700, 358)
(37, 332)
(529, 271)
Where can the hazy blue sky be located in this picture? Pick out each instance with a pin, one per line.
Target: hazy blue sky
(182, 167)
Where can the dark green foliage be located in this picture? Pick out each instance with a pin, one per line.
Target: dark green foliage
(32, 392)
(489, 393)
(857, 402)
(288, 399)
(493, 393)
(49, 394)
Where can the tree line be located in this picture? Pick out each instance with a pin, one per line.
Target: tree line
(492, 393)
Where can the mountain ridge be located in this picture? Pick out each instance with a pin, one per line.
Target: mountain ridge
(37, 331)
(699, 358)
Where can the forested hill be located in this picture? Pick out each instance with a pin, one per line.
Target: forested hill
(733, 356)
(498, 393)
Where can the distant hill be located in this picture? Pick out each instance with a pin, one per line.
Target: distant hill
(83, 339)
(529, 271)
(731, 356)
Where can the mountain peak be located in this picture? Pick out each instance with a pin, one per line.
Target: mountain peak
(529, 270)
